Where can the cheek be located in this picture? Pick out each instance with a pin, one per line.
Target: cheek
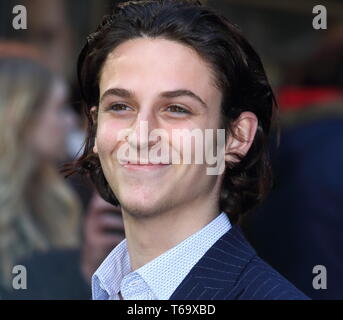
(107, 135)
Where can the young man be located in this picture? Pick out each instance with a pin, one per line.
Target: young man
(151, 69)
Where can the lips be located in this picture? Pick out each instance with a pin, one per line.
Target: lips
(145, 167)
(142, 165)
(145, 164)
(141, 162)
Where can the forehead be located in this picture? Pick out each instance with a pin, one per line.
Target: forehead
(155, 65)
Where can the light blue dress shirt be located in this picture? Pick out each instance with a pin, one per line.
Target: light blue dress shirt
(158, 279)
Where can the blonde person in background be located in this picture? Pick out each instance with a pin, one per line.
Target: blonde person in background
(38, 211)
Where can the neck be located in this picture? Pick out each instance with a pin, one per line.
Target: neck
(150, 237)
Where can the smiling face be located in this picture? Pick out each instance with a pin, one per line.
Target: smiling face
(168, 86)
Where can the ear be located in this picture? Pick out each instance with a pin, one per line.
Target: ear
(244, 129)
(94, 114)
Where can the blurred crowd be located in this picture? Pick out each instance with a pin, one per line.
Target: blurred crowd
(61, 229)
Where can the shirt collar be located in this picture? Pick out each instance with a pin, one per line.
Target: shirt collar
(163, 274)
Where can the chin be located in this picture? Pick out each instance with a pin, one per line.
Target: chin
(144, 207)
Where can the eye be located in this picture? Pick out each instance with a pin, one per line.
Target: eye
(119, 107)
(177, 109)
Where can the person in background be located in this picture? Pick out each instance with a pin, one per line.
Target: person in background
(304, 212)
(38, 211)
(40, 225)
(68, 272)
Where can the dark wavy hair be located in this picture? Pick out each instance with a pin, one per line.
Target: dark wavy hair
(239, 75)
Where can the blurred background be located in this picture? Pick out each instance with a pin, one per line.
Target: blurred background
(63, 239)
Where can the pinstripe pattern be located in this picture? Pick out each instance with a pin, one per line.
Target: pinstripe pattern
(229, 270)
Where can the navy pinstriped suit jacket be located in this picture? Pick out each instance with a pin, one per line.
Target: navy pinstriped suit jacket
(231, 270)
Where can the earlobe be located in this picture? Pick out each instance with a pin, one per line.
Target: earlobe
(95, 148)
(244, 130)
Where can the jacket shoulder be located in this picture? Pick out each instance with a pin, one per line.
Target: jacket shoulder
(259, 281)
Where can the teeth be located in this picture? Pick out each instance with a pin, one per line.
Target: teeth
(139, 162)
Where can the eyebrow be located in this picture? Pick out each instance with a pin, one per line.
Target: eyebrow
(123, 93)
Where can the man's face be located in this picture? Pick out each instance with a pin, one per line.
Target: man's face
(146, 68)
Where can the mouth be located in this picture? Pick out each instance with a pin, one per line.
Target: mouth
(143, 166)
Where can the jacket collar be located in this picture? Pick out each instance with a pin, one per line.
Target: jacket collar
(217, 272)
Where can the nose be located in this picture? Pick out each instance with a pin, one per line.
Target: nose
(140, 137)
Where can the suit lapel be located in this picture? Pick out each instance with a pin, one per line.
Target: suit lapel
(217, 272)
